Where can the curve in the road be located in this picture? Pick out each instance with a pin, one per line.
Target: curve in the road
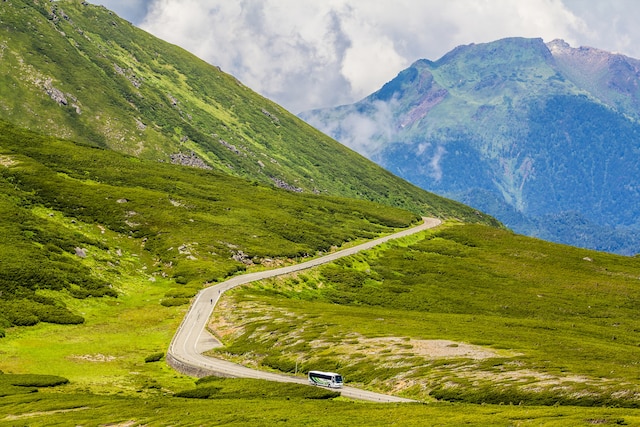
(191, 339)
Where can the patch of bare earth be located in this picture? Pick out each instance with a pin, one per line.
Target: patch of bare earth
(40, 414)
(95, 358)
(7, 161)
(429, 349)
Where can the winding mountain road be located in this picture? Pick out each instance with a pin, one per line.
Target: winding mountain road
(192, 339)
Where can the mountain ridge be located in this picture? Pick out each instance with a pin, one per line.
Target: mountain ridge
(78, 71)
(506, 119)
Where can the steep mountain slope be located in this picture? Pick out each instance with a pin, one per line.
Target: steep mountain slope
(77, 71)
(543, 136)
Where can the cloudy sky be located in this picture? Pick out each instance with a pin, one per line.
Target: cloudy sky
(307, 54)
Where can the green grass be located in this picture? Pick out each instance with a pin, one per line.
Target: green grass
(156, 100)
(149, 235)
(287, 408)
(559, 323)
(104, 357)
(78, 218)
(152, 235)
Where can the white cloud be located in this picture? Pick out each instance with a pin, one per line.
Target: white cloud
(317, 53)
(365, 133)
(436, 169)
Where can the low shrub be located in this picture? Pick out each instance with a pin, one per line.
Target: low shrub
(181, 293)
(33, 380)
(59, 315)
(281, 364)
(155, 357)
(198, 393)
(174, 302)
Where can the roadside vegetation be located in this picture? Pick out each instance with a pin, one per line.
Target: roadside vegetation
(259, 403)
(73, 214)
(466, 313)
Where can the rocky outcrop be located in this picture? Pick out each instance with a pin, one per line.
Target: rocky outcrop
(129, 75)
(55, 93)
(230, 147)
(286, 186)
(190, 159)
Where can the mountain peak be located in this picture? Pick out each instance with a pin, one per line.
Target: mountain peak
(610, 77)
(528, 132)
(502, 51)
(558, 46)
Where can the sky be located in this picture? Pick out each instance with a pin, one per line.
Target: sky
(307, 54)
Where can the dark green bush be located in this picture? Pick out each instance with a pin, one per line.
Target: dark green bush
(155, 357)
(181, 293)
(33, 380)
(22, 319)
(174, 302)
(58, 315)
(281, 364)
(198, 393)
(181, 280)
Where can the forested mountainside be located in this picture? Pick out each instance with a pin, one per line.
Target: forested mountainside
(545, 137)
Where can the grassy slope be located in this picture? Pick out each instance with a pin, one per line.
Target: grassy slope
(155, 100)
(260, 407)
(562, 321)
(191, 225)
(153, 234)
(104, 357)
(71, 199)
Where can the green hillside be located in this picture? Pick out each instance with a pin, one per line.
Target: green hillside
(70, 210)
(78, 71)
(464, 313)
(103, 243)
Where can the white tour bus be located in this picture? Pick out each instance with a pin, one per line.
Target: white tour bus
(326, 379)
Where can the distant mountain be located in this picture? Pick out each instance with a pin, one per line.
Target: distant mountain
(78, 71)
(545, 137)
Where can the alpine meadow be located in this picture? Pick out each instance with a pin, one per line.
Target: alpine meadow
(133, 175)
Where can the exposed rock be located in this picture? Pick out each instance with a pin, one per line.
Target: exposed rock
(140, 125)
(82, 253)
(57, 13)
(191, 159)
(231, 147)
(242, 257)
(128, 74)
(282, 184)
(271, 116)
(55, 93)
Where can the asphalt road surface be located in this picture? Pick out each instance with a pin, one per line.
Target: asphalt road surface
(192, 339)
